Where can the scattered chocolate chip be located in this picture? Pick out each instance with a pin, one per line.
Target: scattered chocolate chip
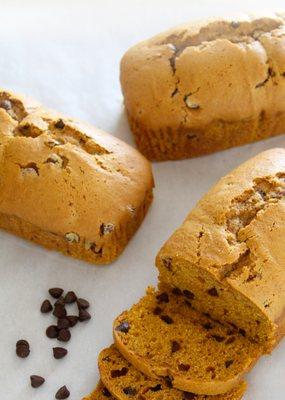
(213, 292)
(230, 340)
(188, 294)
(64, 335)
(117, 373)
(22, 348)
(73, 319)
(207, 326)
(218, 338)
(168, 381)
(52, 332)
(63, 323)
(62, 393)
(177, 292)
(70, 297)
(129, 391)
(162, 298)
(157, 311)
(82, 304)
(106, 392)
(175, 346)
(106, 228)
(235, 24)
(189, 396)
(6, 104)
(59, 311)
(156, 388)
(36, 381)
(84, 315)
(242, 332)
(188, 303)
(60, 302)
(55, 292)
(59, 352)
(46, 306)
(167, 262)
(228, 363)
(184, 367)
(59, 124)
(166, 319)
(123, 327)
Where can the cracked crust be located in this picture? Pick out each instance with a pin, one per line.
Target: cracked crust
(208, 86)
(229, 252)
(167, 339)
(67, 185)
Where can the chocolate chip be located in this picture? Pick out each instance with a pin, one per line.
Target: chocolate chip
(156, 388)
(55, 292)
(52, 332)
(218, 338)
(73, 319)
(188, 396)
(64, 335)
(188, 294)
(207, 326)
(168, 381)
(117, 373)
(62, 393)
(22, 348)
(235, 24)
(106, 228)
(84, 315)
(129, 391)
(184, 367)
(228, 363)
(60, 302)
(106, 392)
(157, 311)
(59, 352)
(162, 298)
(36, 381)
(82, 304)
(59, 124)
(63, 323)
(166, 319)
(46, 306)
(177, 292)
(242, 332)
(70, 297)
(175, 346)
(6, 104)
(123, 327)
(59, 311)
(167, 262)
(213, 292)
(230, 340)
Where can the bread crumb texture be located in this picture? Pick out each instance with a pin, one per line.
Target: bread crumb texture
(206, 86)
(67, 185)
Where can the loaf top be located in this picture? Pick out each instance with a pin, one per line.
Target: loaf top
(164, 337)
(220, 69)
(235, 232)
(124, 381)
(66, 177)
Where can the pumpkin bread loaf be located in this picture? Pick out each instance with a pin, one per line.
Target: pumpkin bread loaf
(206, 86)
(66, 185)
(100, 393)
(229, 252)
(165, 338)
(124, 381)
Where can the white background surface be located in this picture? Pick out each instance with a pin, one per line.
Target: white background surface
(66, 54)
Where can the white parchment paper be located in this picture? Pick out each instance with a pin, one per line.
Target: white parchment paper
(66, 54)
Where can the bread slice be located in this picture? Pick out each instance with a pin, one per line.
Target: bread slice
(100, 393)
(206, 86)
(165, 338)
(229, 251)
(66, 185)
(124, 381)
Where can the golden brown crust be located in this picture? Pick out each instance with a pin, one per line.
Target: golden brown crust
(231, 241)
(66, 185)
(204, 87)
(123, 381)
(167, 339)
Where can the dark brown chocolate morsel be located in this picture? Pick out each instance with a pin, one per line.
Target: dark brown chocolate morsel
(55, 292)
(36, 381)
(213, 292)
(162, 298)
(123, 327)
(84, 315)
(117, 373)
(70, 297)
(62, 393)
(165, 318)
(64, 335)
(46, 306)
(59, 124)
(59, 352)
(82, 304)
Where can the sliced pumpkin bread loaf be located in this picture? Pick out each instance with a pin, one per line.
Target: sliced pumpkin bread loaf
(100, 393)
(165, 338)
(229, 252)
(123, 381)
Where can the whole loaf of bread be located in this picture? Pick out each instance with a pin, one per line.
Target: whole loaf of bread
(206, 86)
(66, 185)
